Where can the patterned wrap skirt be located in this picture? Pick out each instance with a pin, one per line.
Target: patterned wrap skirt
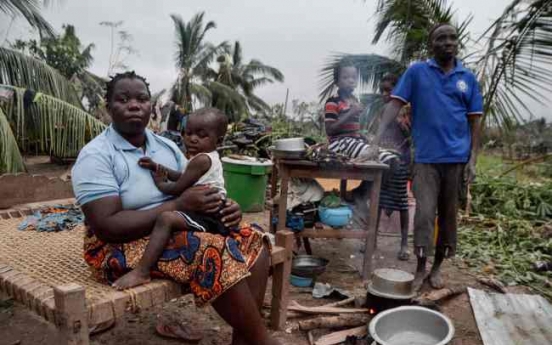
(208, 264)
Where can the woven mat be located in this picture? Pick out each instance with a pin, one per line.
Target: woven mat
(54, 258)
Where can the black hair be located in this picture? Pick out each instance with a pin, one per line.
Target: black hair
(219, 118)
(391, 78)
(120, 76)
(345, 62)
(435, 27)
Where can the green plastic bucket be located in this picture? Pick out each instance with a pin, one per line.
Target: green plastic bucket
(246, 182)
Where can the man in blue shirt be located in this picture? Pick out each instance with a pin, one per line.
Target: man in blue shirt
(446, 110)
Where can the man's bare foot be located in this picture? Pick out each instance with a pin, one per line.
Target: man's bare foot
(131, 279)
(404, 255)
(435, 280)
(418, 282)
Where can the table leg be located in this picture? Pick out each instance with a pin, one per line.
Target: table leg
(282, 203)
(307, 244)
(372, 226)
(343, 189)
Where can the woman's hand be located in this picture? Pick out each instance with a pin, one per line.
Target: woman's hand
(231, 213)
(203, 199)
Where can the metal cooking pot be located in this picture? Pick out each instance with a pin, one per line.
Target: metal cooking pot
(308, 266)
(290, 144)
(391, 283)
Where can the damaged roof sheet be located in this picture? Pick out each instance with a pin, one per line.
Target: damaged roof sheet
(511, 319)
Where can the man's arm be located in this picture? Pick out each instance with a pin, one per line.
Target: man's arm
(390, 113)
(475, 130)
(196, 168)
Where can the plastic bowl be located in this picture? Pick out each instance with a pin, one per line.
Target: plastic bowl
(335, 217)
(300, 281)
(411, 326)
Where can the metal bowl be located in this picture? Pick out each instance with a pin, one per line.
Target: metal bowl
(411, 326)
(279, 154)
(391, 283)
(290, 144)
(308, 266)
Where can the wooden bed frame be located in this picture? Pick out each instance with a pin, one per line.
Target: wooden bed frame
(73, 309)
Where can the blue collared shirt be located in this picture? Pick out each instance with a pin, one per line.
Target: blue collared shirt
(441, 103)
(108, 166)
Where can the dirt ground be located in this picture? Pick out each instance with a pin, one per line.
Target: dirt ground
(18, 326)
(21, 327)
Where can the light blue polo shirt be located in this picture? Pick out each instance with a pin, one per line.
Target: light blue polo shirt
(108, 166)
(441, 103)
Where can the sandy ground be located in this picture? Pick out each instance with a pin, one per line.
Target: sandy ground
(18, 326)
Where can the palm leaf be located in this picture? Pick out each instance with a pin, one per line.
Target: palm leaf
(53, 125)
(30, 10)
(19, 70)
(515, 67)
(256, 67)
(11, 160)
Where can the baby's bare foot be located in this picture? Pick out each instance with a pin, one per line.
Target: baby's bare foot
(131, 279)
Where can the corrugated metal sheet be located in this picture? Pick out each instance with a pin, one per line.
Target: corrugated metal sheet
(512, 319)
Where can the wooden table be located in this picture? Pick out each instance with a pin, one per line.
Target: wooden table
(370, 171)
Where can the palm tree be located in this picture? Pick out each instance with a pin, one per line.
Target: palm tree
(51, 117)
(515, 65)
(193, 56)
(30, 10)
(233, 83)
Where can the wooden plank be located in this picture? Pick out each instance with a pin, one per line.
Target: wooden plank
(339, 337)
(311, 164)
(280, 283)
(282, 203)
(71, 314)
(332, 174)
(278, 255)
(372, 227)
(332, 233)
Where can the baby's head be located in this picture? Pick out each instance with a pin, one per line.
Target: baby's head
(205, 129)
(346, 76)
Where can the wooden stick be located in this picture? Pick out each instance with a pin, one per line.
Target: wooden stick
(345, 320)
(340, 303)
(493, 284)
(339, 337)
(310, 338)
(431, 298)
(294, 306)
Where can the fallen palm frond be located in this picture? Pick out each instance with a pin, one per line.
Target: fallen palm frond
(505, 239)
(48, 124)
(19, 70)
(11, 160)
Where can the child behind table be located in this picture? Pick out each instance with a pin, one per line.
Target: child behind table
(205, 129)
(342, 114)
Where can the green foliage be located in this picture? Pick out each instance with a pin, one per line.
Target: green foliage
(19, 70)
(11, 160)
(241, 80)
(331, 200)
(64, 52)
(506, 236)
(46, 124)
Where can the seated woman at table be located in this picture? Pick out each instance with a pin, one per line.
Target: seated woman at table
(121, 203)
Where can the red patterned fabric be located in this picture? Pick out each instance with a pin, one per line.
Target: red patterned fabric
(208, 264)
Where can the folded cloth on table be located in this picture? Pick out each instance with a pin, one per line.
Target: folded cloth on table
(56, 218)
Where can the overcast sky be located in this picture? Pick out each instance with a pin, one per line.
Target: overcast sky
(295, 36)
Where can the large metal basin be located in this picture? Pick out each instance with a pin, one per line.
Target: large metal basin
(411, 326)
